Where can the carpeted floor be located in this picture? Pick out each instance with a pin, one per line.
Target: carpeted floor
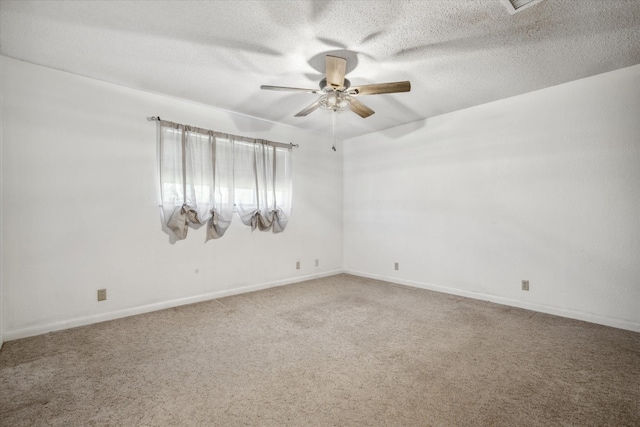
(338, 351)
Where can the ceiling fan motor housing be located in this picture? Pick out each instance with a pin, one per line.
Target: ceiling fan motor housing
(325, 87)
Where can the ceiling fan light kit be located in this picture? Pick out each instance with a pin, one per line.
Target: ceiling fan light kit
(335, 101)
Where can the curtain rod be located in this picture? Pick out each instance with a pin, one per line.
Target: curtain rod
(157, 119)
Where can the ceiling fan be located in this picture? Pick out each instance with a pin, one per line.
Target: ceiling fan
(336, 91)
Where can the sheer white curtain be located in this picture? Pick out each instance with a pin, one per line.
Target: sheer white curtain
(263, 185)
(223, 188)
(204, 174)
(282, 189)
(196, 179)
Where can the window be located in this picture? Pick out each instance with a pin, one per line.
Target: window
(205, 174)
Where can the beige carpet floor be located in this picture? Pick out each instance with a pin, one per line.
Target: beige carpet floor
(338, 351)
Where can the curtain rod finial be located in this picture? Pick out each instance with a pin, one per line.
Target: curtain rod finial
(154, 118)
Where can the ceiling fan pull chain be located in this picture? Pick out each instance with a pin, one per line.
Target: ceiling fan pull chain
(333, 114)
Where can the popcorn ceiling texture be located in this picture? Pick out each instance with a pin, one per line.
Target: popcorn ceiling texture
(456, 54)
(339, 351)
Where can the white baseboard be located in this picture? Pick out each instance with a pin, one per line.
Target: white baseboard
(572, 314)
(102, 317)
(132, 311)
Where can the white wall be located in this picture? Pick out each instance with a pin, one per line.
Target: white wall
(544, 186)
(1, 201)
(80, 206)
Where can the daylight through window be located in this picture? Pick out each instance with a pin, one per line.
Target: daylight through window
(206, 176)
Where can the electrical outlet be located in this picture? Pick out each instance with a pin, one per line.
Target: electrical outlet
(102, 294)
(396, 266)
(297, 265)
(525, 285)
(317, 263)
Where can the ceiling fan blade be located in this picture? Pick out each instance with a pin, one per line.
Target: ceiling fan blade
(310, 109)
(289, 89)
(336, 69)
(360, 109)
(380, 88)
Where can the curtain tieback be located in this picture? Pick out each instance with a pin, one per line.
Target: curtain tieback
(179, 221)
(260, 221)
(216, 226)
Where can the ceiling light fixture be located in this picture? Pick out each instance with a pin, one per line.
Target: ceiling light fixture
(335, 101)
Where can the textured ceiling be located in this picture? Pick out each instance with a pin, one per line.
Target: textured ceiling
(456, 54)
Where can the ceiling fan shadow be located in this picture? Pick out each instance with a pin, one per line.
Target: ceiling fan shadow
(332, 43)
(318, 62)
(315, 78)
(317, 9)
(373, 36)
(415, 53)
